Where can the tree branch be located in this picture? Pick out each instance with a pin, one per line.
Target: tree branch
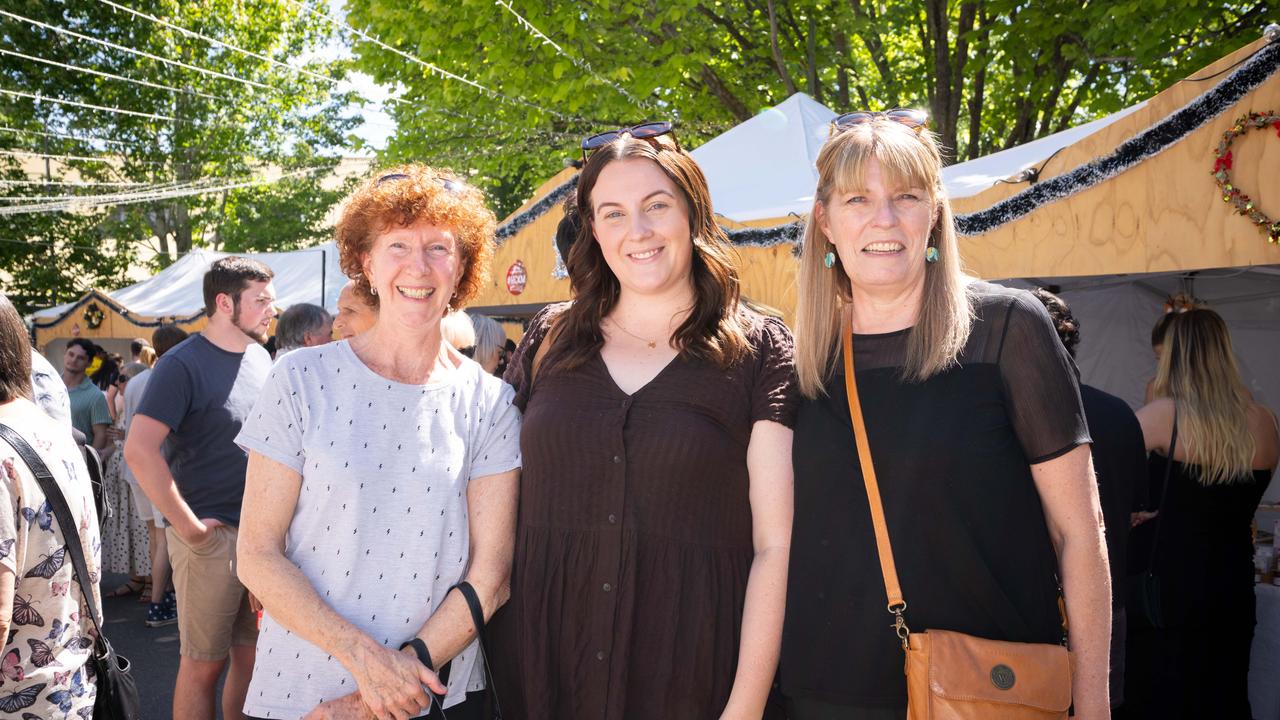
(778, 62)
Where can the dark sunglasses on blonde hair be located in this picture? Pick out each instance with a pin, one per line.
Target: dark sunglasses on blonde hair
(917, 120)
(643, 131)
(450, 185)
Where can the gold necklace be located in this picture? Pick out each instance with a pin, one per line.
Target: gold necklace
(651, 343)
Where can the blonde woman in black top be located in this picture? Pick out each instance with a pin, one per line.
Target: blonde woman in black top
(1197, 665)
(975, 426)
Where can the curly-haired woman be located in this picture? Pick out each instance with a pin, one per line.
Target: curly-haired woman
(382, 472)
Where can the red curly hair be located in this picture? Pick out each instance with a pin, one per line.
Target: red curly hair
(407, 195)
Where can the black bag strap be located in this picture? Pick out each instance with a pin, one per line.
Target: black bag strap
(62, 513)
(1164, 490)
(477, 618)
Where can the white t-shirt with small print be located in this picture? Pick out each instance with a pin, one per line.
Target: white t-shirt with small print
(380, 528)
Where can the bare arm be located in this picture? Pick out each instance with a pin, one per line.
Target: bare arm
(769, 465)
(491, 513)
(101, 441)
(142, 452)
(1069, 495)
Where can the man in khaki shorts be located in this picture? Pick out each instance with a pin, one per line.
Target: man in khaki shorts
(196, 399)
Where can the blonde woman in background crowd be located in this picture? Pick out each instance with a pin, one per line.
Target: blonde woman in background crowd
(489, 343)
(1219, 449)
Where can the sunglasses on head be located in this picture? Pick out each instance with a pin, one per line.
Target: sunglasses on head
(450, 185)
(917, 120)
(643, 131)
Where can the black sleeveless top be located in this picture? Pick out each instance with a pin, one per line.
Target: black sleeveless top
(953, 457)
(1204, 556)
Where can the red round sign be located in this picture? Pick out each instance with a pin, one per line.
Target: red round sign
(516, 278)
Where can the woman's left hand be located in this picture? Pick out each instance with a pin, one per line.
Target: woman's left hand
(347, 707)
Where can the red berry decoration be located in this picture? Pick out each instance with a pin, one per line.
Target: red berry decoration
(1242, 203)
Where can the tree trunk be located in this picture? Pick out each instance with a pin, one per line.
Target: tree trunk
(778, 61)
(811, 52)
(841, 45)
(869, 35)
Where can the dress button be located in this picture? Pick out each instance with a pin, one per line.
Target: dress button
(613, 519)
(617, 459)
(599, 654)
(607, 587)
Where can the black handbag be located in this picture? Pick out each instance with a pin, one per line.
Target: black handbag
(117, 697)
(1144, 604)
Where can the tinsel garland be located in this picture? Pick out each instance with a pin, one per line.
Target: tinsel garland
(94, 296)
(1252, 73)
(1150, 142)
(519, 222)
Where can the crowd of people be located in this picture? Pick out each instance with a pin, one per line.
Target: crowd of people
(655, 501)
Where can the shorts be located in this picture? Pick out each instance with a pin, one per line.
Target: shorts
(146, 510)
(213, 607)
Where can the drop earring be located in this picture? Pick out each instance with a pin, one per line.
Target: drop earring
(373, 290)
(931, 254)
(829, 259)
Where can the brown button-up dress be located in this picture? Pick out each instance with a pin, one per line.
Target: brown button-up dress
(634, 540)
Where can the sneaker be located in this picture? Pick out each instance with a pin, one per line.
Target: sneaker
(161, 614)
(170, 600)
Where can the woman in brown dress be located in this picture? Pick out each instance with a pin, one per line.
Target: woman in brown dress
(655, 504)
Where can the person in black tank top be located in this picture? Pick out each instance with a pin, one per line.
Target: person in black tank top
(1217, 449)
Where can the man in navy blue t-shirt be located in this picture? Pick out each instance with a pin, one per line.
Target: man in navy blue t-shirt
(196, 400)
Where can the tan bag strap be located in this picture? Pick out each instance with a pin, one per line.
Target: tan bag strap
(541, 353)
(888, 569)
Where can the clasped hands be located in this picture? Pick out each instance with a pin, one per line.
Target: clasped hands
(391, 687)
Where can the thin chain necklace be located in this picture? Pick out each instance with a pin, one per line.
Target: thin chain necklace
(651, 343)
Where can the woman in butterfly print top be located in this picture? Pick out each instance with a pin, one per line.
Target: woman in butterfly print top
(43, 671)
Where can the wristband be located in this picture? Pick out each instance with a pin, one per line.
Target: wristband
(420, 649)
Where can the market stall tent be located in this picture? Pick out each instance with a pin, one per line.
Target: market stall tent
(175, 295)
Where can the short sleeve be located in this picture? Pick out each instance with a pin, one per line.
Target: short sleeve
(775, 395)
(10, 492)
(274, 426)
(168, 394)
(1041, 383)
(498, 449)
(520, 369)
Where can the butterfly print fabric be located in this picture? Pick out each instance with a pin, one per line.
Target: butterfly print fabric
(43, 670)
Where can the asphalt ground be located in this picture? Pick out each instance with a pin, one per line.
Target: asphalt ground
(152, 651)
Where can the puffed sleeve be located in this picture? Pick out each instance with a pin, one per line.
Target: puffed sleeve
(775, 395)
(274, 427)
(520, 369)
(1041, 385)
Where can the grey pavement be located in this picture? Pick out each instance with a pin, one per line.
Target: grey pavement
(152, 651)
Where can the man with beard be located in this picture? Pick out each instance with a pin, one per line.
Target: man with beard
(198, 396)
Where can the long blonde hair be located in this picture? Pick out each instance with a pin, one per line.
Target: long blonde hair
(1198, 371)
(946, 314)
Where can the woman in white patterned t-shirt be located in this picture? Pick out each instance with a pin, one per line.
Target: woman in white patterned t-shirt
(382, 472)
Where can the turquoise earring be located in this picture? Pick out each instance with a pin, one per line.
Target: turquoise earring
(931, 254)
(829, 259)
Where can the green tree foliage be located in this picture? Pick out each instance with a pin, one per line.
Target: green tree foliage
(992, 73)
(203, 128)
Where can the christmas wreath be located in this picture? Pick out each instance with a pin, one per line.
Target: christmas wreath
(93, 315)
(1243, 204)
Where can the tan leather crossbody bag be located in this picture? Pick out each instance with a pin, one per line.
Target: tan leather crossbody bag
(950, 675)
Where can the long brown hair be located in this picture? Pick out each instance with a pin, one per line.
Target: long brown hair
(713, 331)
(15, 354)
(946, 315)
(1198, 370)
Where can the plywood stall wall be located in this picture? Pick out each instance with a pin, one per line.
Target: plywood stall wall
(1166, 213)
